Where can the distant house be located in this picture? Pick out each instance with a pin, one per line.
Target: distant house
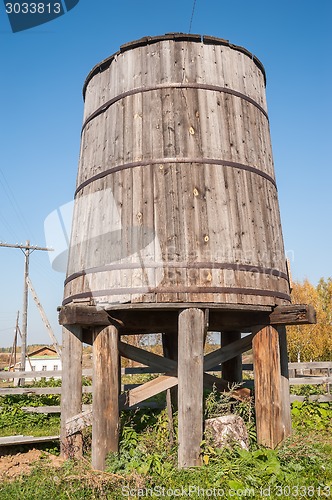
(43, 359)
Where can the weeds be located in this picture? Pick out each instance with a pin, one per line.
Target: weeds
(218, 404)
(309, 415)
(147, 459)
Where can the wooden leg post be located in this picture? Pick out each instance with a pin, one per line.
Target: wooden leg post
(190, 386)
(232, 369)
(170, 349)
(105, 399)
(269, 390)
(286, 405)
(71, 391)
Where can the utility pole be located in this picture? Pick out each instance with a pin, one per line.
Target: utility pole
(26, 253)
(12, 359)
(27, 249)
(44, 317)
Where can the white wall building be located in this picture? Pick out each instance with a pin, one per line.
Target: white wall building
(44, 359)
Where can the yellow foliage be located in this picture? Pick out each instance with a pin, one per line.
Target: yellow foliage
(312, 342)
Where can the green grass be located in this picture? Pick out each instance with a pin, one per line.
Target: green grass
(147, 462)
(302, 467)
(14, 420)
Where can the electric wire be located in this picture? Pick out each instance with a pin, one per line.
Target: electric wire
(41, 268)
(192, 16)
(13, 201)
(24, 223)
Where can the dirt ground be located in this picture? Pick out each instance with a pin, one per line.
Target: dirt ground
(13, 465)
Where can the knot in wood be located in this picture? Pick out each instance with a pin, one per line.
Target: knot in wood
(139, 217)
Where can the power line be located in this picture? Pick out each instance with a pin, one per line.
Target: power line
(192, 16)
(43, 268)
(8, 227)
(14, 203)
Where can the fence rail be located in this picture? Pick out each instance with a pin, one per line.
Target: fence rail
(303, 379)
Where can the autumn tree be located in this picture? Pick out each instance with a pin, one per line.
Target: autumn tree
(312, 342)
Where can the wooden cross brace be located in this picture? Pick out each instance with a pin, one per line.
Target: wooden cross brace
(169, 380)
(164, 382)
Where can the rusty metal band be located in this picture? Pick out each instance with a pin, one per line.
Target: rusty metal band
(189, 289)
(202, 86)
(178, 265)
(161, 161)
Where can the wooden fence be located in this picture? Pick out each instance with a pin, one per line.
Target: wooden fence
(300, 374)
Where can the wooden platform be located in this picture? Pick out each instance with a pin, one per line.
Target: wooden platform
(163, 318)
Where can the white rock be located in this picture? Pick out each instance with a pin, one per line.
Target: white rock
(224, 431)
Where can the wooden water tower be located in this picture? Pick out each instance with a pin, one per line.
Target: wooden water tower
(176, 230)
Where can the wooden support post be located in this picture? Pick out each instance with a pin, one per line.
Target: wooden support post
(232, 369)
(190, 386)
(269, 391)
(170, 348)
(105, 399)
(286, 406)
(71, 390)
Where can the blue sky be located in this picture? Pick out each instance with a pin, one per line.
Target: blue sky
(42, 73)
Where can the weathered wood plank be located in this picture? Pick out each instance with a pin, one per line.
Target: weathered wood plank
(285, 399)
(313, 365)
(48, 409)
(162, 383)
(228, 352)
(190, 386)
(141, 369)
(41, 409)
(17, 440)
(319, 398)
(153, 316)
(87, 372)
(79, 314)
(79, 422)
(71, 390)
(38, 390)
(170, 349)
(151, 388)
(268, 390)
(30, 390)
(294, 314)
(105, 403)
(30, 374)
(146, 357)
(314, 380)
